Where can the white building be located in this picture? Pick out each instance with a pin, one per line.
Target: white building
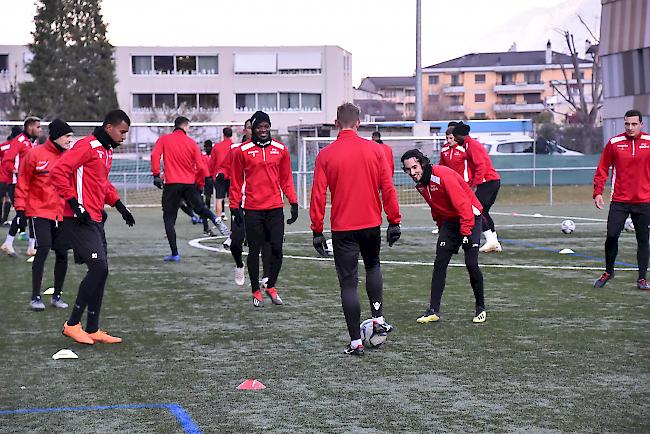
(220, 84)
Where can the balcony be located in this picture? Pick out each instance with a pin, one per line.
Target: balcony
(518, 108)
(519, 88)
(456, 108)
(450, 90)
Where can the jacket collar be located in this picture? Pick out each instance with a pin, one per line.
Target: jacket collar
(53, 147)
(104, 138)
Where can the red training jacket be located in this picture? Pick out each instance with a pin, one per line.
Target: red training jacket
(480, 163)
(259, 176)
(455, 157)
(355, 170)
(34, 191)
(630, 158)
(4, 146)
(219, 153)
(18, 146)
(82, 172)
(227, 162)
(181, 156)
(450, 198)
(390, 159)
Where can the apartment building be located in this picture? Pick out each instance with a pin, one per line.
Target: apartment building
(398, 91)
(625, 55)
(294, 84)
(513, 84)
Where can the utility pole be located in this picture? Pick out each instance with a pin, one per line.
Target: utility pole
(420, 129)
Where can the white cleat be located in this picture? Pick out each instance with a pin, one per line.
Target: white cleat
(8, 249)
(240, 276)
(492, 246)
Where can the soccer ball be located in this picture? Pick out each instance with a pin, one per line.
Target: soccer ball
(568, 226)
(330, 248)
(369, 337)
(629, 226)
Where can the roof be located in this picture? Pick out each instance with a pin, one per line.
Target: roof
(382, 82)
(514, 58)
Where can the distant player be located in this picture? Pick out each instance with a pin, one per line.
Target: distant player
(260, 177)
(358, 177)
(37, 198)
(5, 200)
(18, 147)
(219, 153)
(629, 155)
(80, 177)
(388, 151)
(455, 156)
(457, 212)
(208, 188)
(485, 179)
(183, 168)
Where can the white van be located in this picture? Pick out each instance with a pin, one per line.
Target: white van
(524, 146)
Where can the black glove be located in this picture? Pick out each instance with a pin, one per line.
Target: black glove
(467, 242)
(79, 211)
(20, 215)
(393, 233)
(320, 244)
(294, 214)
(237, 215)
(220, 177)
(104, 216)
(157, 181)
(126, 214)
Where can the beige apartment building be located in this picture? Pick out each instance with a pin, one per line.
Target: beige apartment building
(502, 85)
(398, 91)
(294, 84)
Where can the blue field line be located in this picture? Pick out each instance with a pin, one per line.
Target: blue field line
(178, 411)
(548, 249)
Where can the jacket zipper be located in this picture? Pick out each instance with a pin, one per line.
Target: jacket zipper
(633, 147)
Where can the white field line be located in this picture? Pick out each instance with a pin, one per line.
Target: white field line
(515, 214)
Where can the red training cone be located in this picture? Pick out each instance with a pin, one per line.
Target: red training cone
(251, 384)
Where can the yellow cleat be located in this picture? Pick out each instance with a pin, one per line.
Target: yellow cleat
(480, 317)
(429, 316)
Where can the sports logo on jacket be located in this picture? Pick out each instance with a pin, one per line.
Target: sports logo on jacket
(100, 153)
(274, 151)
(42, 165)
(253, 152)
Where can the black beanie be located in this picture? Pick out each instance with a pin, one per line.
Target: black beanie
(259, 117)
(58, 128)
(461, 129)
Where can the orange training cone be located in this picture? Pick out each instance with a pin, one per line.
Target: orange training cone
(251, 384)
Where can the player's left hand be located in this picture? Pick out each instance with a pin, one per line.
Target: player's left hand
(393, 233)
(320, 243)
(294, 214)
(126, 214)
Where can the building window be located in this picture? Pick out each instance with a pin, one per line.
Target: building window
(434, 97)
(480, 115)
(479, 78)
(186, 64)
(142, 100)
(434, 79)
(208, 65)
(163, 64)
(245, 102)
(479, 97)
(582, 75)
(164, 100)
(310, 102)
(532, 98)
(4, 63)
(209, 101)
(508, 78)
(186, 100)
(455, 79)
(141, 64)
(508, 99)
(455, 100)
(533, 77)
(5, 101)
(289, 101)
(267, 102)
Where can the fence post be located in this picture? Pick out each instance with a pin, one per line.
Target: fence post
(304, 173)
(550, 186)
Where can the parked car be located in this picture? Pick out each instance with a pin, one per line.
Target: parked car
(524, 146)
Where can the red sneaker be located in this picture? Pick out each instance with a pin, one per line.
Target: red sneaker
(643, 285)
(602, 280)
(104, 338)
(77, 334)
(257, 298)
(275, 298)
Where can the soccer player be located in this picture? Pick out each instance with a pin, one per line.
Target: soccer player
(265, 166)
(485, 180)
(80, 177)
(208, 187)
(629, 155)
(357, 174)
(454, 156)
(183, 167)
(457, 213)
(5, 200)
(219, 153)
(18, 147)
(36, 198)
(388, 151)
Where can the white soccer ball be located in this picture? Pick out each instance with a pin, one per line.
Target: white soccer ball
(568, 226)
(629, 226)
(330, 248)
(368, 335)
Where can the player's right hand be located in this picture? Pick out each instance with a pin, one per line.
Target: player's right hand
(598, 200)
(157, 182)
(393, 233)
(82, 216)
(237, 215)
(320, 243)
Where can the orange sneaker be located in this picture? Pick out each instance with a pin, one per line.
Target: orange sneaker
(257, 299)
(273, 293)
(104, 338)
(77, 334)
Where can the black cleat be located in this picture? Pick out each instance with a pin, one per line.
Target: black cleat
(382, 328)
(358, 351)
(602, 280)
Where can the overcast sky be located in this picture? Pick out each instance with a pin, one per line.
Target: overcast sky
(380, 34)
